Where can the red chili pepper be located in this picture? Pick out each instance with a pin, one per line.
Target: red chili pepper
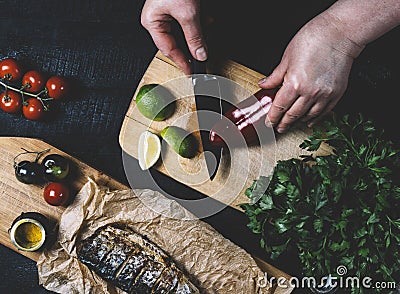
(245, 120)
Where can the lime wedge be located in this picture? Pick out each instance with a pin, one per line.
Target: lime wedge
(149, 149)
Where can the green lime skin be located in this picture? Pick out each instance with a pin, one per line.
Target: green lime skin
(155, 102)
(181, 141)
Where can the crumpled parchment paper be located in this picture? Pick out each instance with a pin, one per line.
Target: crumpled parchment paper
(218, 265)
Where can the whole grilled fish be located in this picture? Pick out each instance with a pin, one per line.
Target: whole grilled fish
(131, 262)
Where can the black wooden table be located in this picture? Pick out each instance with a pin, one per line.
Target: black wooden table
(102, 47)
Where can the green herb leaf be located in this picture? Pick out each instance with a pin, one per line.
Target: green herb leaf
(341, 207)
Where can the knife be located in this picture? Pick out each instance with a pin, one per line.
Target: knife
(207, 94)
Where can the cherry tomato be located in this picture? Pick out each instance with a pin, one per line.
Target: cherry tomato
(11, 102)
(10, 69)
(56, 194)
(33, 81)
(29, 172)
(56, 87)
(33, 109)
(56, 167)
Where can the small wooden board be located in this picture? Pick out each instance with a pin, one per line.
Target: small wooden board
(16, 197)
(229, 184)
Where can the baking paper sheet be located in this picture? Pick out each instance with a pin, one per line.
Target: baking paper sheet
(218, 265)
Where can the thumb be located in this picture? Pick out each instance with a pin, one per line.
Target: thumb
(273, 80)
(194, 38)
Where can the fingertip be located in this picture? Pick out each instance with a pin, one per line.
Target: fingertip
(201, 54)
(262, 81)
(281, 130)
(268, 123)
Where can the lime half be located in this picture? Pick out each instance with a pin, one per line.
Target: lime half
(155, 102)
(180, 141)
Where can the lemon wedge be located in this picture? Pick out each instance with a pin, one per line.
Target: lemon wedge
(149, 149)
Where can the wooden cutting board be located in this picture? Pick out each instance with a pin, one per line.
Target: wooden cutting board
(230, 183)
(16, 197)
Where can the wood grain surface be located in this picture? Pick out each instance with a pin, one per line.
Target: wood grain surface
(16, 197)
(237, 169)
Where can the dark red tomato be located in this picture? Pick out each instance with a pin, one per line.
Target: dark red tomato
(56, 194)
(11, 102)
(33, 109)
(56, 87)
(10, 69)
(33, 81)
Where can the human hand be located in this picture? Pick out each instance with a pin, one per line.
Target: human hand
(313, 74)
(157, 16)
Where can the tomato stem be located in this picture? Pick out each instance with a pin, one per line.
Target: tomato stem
(38, 154)
(17, 90)
(41, 92)
(26, 86)
(44, 105)
(22, 92)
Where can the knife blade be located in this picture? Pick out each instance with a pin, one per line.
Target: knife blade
(209, 110)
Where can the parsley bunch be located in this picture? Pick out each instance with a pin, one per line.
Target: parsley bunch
(339, 209)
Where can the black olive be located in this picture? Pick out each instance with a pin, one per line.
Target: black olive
(29, 172)
(56, 167)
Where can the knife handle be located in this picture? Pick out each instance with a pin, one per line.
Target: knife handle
(198, 67)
